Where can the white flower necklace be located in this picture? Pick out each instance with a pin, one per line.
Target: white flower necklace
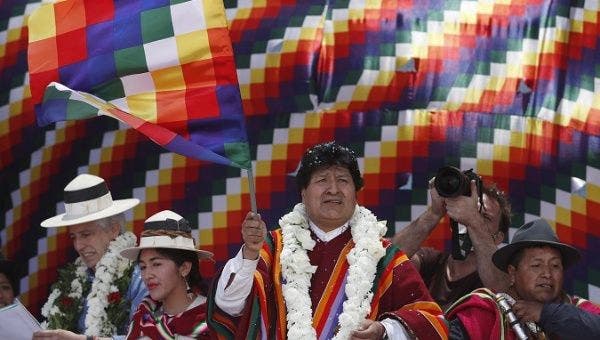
(110, 268)
(297, 271)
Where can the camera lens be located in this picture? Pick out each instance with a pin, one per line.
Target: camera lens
(450, 182)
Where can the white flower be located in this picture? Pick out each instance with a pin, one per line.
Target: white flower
(110, 267)
(297, 271)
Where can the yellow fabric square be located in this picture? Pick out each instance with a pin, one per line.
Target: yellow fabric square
(308, 33)
(361, 93)
(152, 194)
(590, 16)
(193, 46)
(279, 151)
(3, 127)
(143, 106)
(205, 237)
(312, 120)
(501, 152)
(372, 165)
(593, 192)
(578, 204)
(2, 50)
(485, 167)
(257, 75)
(214, 13)
(563, 215)
(289, 46)
(388, 149)
(273, 60)
(518, 139)
(168, 79)
(165, 177)
(245, 91)
(405, 133)
(263, 168)
(220, 219)
(295, 135)
(234, 202)
(41, 23)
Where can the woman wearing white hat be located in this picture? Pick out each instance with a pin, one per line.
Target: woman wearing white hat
(169, 261)
(96, 295)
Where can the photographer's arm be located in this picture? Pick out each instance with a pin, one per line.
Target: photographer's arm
(483, 231)
(410, 238)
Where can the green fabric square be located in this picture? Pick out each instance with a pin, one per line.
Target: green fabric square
(238, 153)
(156, 24)
(548, 194)
(110, 91)
(130, 60)
(532, 206)
(80, 110)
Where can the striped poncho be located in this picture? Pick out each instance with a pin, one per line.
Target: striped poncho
(398, 293)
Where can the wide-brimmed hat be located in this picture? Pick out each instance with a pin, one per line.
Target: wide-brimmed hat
(167, 230)
(87, 199)
(9, 268)
(534, 233)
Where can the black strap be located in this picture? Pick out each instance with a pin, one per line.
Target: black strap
(169, 224)
(86, 194)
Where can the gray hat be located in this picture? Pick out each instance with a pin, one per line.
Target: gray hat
(531, 234)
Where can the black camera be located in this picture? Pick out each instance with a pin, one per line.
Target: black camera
(451, 182)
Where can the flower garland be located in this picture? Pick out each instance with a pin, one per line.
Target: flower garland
(297, 271)
(107, 307)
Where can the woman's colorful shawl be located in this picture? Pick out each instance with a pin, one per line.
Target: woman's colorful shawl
(149, 321)
(399, 293)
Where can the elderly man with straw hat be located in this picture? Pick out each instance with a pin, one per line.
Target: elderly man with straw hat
(96, 295)
(535, 305)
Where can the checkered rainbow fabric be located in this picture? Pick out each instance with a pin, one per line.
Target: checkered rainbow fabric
(508, 88)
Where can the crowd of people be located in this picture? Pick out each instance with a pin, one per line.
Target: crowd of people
(326, 272)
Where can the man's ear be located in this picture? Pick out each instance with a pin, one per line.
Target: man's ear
(302, 192)
(115, 229)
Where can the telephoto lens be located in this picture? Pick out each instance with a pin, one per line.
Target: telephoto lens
(451, 182)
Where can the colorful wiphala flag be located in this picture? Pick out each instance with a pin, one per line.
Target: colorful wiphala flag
(508, 88)
(164, 68)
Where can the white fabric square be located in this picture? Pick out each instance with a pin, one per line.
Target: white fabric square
(187, 17)
(137, 83)
(161, 54)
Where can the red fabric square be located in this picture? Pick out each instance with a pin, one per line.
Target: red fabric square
(202, 103)
(98, 11)
(72, 46)
(42, 55)
(69, 16)
(39, 81)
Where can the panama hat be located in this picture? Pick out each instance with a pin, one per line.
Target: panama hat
(531, 234)
(87, 199)
(168, 230)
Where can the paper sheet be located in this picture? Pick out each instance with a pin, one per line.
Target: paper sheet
(16, 322)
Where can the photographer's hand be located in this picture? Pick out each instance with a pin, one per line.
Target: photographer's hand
(483, 231)
(410, 238)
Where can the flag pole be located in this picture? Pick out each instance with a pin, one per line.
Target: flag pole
(252, 191)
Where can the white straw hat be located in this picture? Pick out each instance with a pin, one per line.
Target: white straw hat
(159, 231)
(87, 198)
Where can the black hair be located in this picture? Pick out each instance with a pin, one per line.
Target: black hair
(11, 274)
(325, 155)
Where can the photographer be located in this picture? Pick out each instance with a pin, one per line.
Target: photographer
(485, 213)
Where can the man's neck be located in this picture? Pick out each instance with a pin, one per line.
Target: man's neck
(330, 234)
